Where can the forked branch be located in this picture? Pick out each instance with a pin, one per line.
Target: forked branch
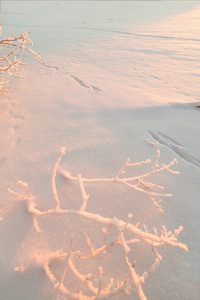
(118, 227)
(9, 63)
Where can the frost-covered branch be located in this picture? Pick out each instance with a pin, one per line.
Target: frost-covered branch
(116, 227)
(9, 63)
(137, 183)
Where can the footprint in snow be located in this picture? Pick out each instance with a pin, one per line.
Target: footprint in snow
(175, 146)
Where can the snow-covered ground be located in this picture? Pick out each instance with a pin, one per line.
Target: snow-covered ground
(119, 79)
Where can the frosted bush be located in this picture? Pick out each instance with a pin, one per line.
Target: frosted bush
(8, 62)
(124, 231)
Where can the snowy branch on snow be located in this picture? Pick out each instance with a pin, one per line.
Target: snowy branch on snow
(94, 287)
(8, 62)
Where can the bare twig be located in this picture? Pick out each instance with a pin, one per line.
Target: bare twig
(3, 209)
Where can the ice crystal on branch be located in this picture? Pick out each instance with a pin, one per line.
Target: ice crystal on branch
(95, 287)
